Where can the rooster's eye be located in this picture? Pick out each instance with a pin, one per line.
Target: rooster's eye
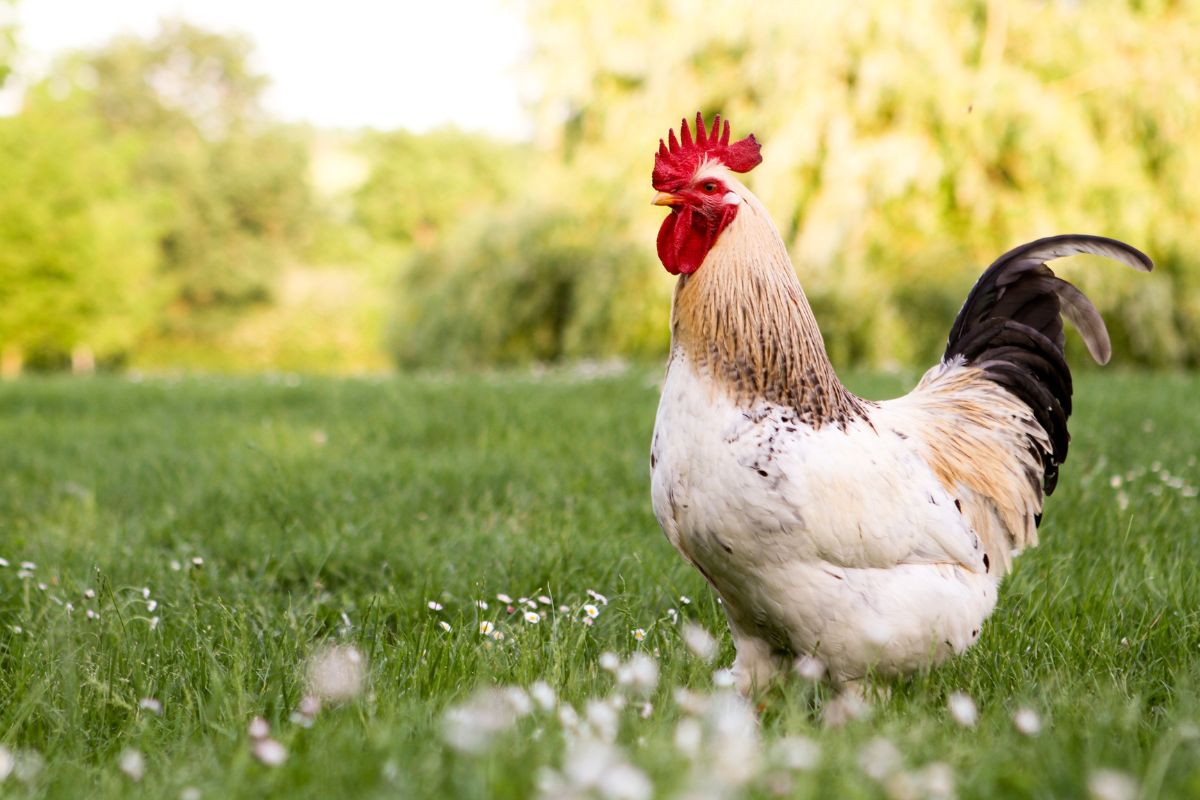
(710, 187)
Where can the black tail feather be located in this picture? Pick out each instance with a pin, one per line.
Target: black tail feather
(1011, 327)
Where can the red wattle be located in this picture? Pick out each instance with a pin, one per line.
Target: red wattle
(686, 237)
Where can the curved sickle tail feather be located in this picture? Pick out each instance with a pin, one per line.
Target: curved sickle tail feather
(1010, 327)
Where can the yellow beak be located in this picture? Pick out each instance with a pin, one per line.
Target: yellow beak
(666, 199)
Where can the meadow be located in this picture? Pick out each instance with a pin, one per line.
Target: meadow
(175, 551)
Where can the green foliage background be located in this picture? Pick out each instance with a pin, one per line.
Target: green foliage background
(155, 215)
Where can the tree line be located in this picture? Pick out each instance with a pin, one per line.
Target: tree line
(149, 198)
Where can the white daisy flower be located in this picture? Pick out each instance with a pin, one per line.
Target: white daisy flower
(444, 625)
(591, 610)
(150, 704)
(481, 604)
(599, 598)
(684, 599)
(435, 605)
(532, 617)
(544, 600)
(503, 598)
(258, 728)
(638, 633)
(486, 627)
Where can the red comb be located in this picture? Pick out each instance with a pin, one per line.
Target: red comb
(678, 161)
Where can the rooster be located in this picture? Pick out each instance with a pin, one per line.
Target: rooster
(870, 536)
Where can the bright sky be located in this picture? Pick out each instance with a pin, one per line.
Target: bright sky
(413, 64)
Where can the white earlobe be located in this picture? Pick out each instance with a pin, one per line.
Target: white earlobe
(732, 199)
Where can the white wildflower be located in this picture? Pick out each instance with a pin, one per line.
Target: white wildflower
(638, 633)
(4, 563)
(258, 728)
(444, 625)
(486, 627)
(699, 641)
(564, 609)
(544, 600)
(846, 707)
(602, 719)
(532, 617)
(673, 614)
(684, 599)
(270, 752)
(151, 605)
(481, 604)
(639, 673)
(7, 760)
(132, 764)
(796, 752)
(151, 704)
(609, 661)
(145, 592)
(733, 744)
(472, 726)
(1115, 481)
(92, 614)
(503, 598)
(434, 605)
(809, 668)
(962, 708)
(879, 758)
(175, 565)
(1027, 721)
(89, 594)
(724, 678)
(543, 694)
(310, 705)
(591, 611)
(688, 736)
(336, 673)
(647, 710)
(29, 565)
(197, 561)
(1109, 784)
(599, 598)
(936, 781)
(153, 623)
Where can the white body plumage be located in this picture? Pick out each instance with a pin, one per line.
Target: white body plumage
(841, 544)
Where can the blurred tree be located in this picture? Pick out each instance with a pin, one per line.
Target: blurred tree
(8, 37)
(522, 283)
(419, 185)
(77, 248)
(907, 144)
(229, 187)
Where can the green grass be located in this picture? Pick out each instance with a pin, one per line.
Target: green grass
(312, 499)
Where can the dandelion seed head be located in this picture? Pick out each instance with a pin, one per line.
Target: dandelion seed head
(336, 673)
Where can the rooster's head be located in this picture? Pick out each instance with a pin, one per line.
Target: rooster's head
(692, 176)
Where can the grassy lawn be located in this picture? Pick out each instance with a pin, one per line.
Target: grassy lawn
(268, 518)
